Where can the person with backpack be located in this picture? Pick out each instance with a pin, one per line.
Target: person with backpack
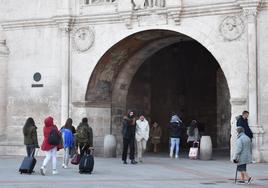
(84, 136)
(68, 141)
(175, 129)
(51, 144)
(30, 136)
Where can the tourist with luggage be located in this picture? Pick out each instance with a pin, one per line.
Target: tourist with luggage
(155, 135)
(243, 155)
(193, 134)
(30, 136)
(68, 141)
(175, 130)
(142, 135)
(242, 121)
(128, 132)
(51, 144)
(84, 136)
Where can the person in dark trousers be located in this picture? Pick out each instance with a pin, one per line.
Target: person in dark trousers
(243, 155)
(242, 121)
(30, 136)
(128, 131)
(84, 136)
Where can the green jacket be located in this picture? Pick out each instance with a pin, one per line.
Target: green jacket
(84, 135)
(30, 136)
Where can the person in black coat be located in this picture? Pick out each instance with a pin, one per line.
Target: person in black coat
(128, 132)
(242, 121)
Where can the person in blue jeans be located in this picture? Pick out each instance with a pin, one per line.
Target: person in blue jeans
(68, 141)
(175, 129)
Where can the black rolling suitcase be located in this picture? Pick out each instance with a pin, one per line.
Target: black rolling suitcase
(28, 164)
(86, 163)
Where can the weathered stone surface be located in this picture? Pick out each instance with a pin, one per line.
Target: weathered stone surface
(34, 39)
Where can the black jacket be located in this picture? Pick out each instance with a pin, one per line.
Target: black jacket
(241, 122)
(129, 128)
(175, 130)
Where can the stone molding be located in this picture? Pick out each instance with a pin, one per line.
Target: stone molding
(250, 8)
(125, 16)
(4, 51)
(238, 101)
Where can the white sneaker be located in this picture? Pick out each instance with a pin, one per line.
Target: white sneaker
(43, 171)
(64, 166)
(170, 155)
(54, 172)
(176, 156)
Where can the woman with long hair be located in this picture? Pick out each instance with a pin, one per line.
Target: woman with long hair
(193, 133)
(68, 141)
(30, 136)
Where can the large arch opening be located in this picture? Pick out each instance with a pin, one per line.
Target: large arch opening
(158, 71)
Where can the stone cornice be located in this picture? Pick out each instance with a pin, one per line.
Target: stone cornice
(121, 17)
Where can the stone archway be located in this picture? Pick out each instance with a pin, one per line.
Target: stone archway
(115, 71)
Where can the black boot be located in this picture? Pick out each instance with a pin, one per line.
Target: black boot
(133, 162)
(124, 162)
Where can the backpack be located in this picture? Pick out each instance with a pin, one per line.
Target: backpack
(54, 138)
(83, 134)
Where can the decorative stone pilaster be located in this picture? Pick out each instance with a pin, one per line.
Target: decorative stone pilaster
(65, 29)
(250, 10)
(4, 52)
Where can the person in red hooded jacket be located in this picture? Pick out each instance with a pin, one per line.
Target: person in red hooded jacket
(50, 150)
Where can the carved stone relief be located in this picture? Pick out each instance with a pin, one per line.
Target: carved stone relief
(83, 38)
(141, 4)
(232, 27)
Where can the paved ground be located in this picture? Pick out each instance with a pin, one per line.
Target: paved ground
(155, 172)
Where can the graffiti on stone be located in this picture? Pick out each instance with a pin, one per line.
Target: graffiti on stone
(117, 58)
(103, 88)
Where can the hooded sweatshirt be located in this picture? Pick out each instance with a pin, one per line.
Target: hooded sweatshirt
(49, 125)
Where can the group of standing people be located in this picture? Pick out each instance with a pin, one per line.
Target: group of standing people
(67, 138)
(139, 131)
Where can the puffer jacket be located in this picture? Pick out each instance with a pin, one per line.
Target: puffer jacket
(49, 125)
(243, 149)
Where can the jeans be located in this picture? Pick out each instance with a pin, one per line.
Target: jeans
(51, 154)
(174, 144)
(30, 149)
(128, 143)
(66, 156)
(141, 147)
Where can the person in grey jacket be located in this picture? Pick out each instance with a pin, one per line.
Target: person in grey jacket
(243, 155)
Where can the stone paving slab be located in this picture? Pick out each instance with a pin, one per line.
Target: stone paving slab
(154, 172)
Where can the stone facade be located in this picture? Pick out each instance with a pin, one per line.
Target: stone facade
(88, 52)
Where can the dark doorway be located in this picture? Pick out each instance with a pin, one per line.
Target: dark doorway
(185, 78)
